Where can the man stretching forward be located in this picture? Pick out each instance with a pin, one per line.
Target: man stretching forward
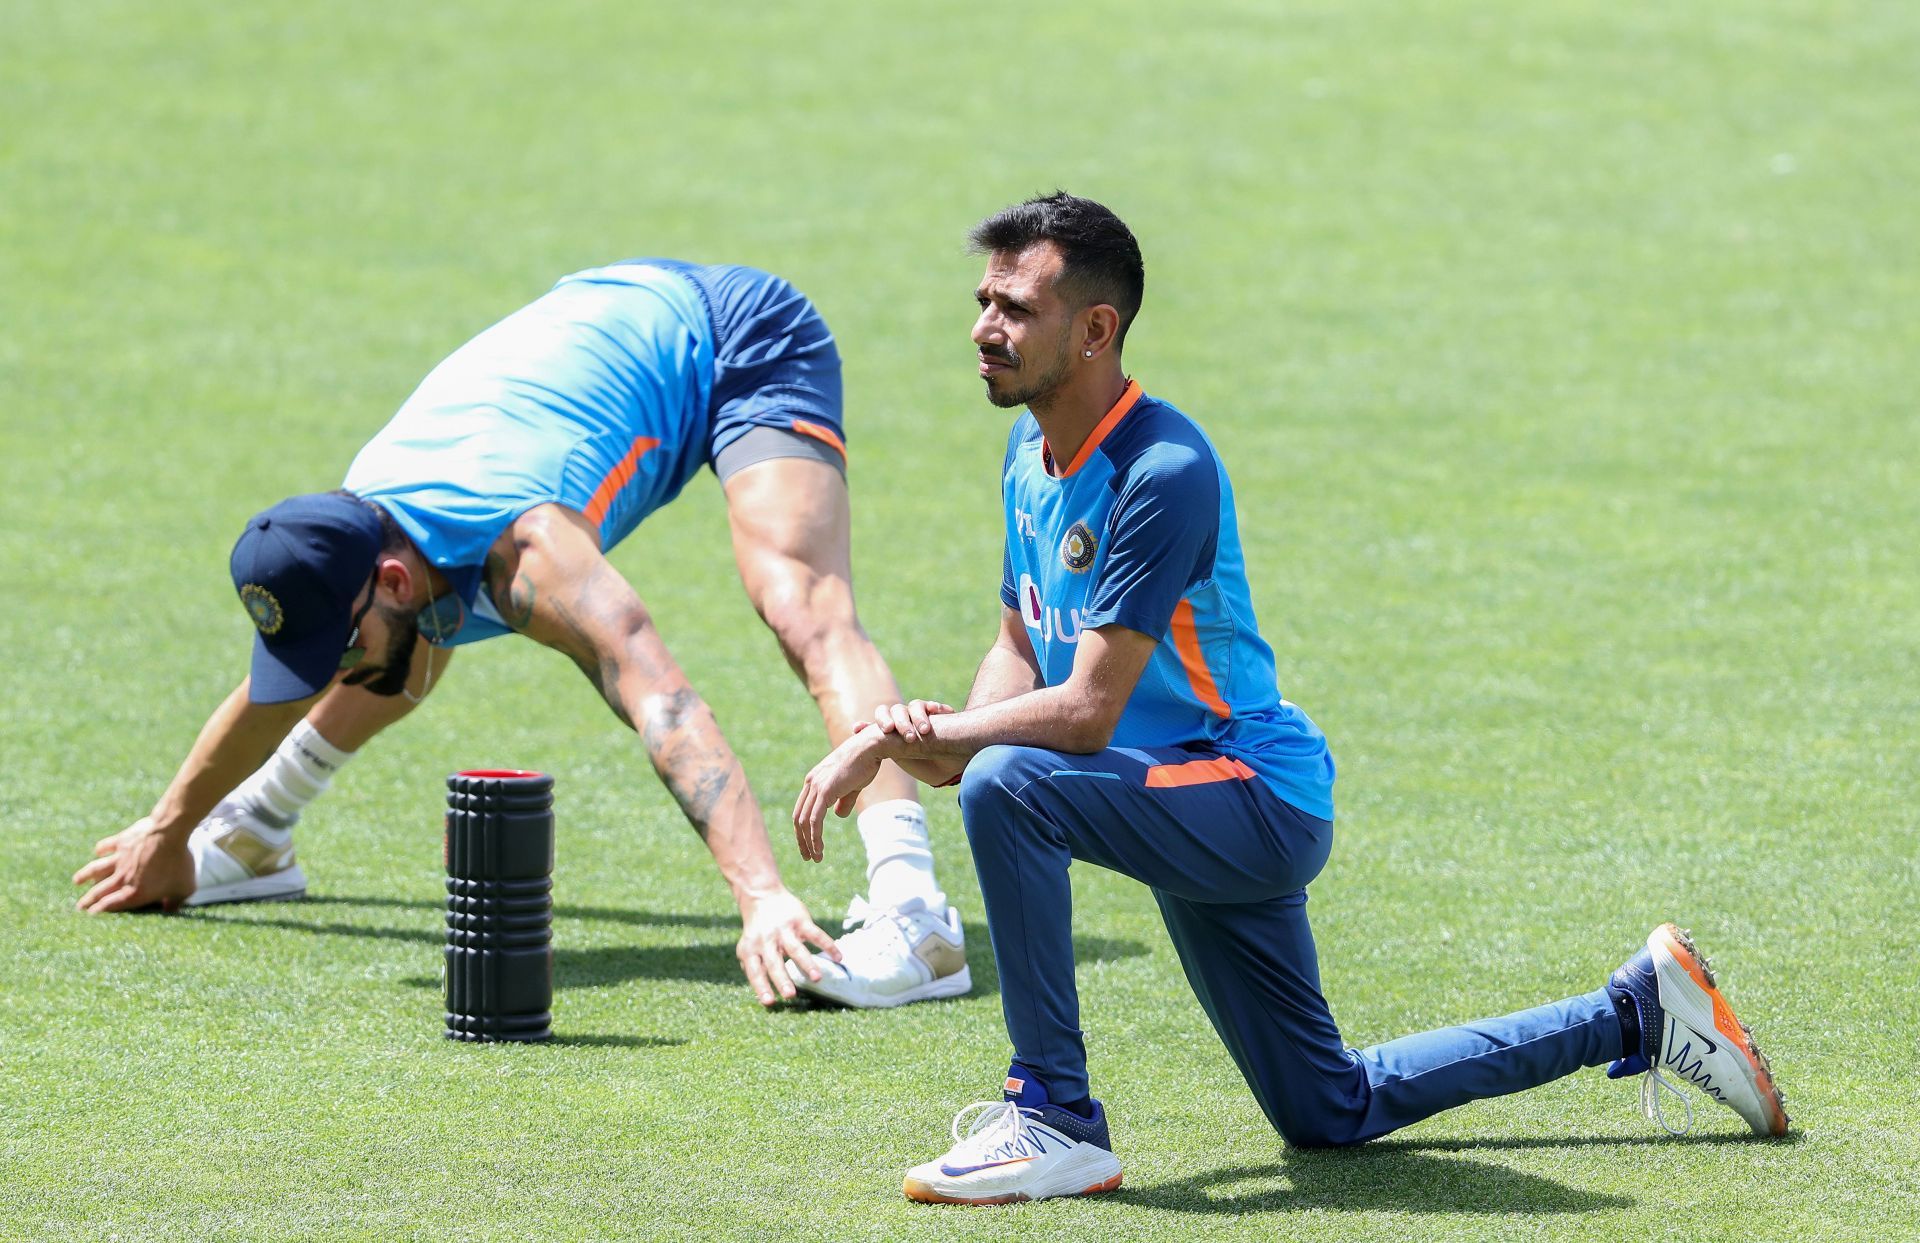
(484, 508)
(1127, 716)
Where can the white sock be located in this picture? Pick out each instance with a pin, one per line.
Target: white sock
(296, 774)
(899, 857)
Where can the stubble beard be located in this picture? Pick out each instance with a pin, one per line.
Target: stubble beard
(1037, 392)
(403, 627)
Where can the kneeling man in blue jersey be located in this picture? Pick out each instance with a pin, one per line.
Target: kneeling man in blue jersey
(1127, 716)
(485, 508)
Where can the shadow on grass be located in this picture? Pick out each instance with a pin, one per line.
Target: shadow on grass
(1583, 1141)
(616, 1042)
(1087, 948)
(1374, 1178)
(610, 914)
(420, 936)
(590, 1041)
(700, 962)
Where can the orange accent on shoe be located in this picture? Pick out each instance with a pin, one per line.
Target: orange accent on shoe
(1728, 1025)
(920, 1193)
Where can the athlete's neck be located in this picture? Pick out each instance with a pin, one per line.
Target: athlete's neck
(1068, 415)
(431, 582)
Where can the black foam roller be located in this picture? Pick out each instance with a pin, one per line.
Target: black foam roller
(499, 847)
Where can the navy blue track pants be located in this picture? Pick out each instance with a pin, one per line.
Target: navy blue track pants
(1228, 861)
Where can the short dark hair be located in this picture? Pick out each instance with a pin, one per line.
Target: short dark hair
(1100, 258)
(392, 537)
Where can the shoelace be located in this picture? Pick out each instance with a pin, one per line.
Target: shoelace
(859, 913)
(1651, 1085)
(880, 937)
(983, 1120)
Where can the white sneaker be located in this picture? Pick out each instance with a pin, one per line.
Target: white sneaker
(1689, 1031)
(903, 954)
(236, 858)
(1019, 1148)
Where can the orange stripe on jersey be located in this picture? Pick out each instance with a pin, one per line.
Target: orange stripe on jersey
(1186, 640)
(818, 432)
(1198, 773)
(1108, 421)
(617, 478)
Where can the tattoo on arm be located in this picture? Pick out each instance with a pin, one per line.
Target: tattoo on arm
(605, 605)
(513, 600)
(699, 797)
(519, 610)
(682, 739)
(697, 772)
(604, 673)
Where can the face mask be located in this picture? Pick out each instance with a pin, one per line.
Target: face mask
(442, 618)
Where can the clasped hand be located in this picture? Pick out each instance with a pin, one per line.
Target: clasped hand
(836, 781)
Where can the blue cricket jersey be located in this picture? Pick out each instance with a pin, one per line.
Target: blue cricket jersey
(1139, 531)
(595, 396)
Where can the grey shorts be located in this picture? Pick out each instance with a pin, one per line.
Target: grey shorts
(763, 443)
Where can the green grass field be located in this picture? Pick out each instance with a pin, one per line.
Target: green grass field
(1564, 354)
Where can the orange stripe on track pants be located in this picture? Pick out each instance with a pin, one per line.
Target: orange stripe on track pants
(1198, 772)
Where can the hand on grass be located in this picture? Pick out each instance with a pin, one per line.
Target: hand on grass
(136, 868)
(775, 928)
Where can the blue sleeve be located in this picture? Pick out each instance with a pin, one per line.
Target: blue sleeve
(1160, 539)
(1009, 595)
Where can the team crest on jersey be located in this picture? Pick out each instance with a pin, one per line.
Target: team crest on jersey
(262, 608)
(1077, 549)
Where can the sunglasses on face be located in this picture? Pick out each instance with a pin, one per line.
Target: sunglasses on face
(438, 622)
(356, 650)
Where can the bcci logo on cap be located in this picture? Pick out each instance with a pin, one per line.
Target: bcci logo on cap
(1077, 549)
(263, 608)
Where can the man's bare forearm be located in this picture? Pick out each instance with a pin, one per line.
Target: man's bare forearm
(1078, 716)
(561, 591)
(235, 741)
(1054, 717)
(705, 777)
(644, 686)
(1004, 673)
(683, 742)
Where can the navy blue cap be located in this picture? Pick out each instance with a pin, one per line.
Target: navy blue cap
(300, 567)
